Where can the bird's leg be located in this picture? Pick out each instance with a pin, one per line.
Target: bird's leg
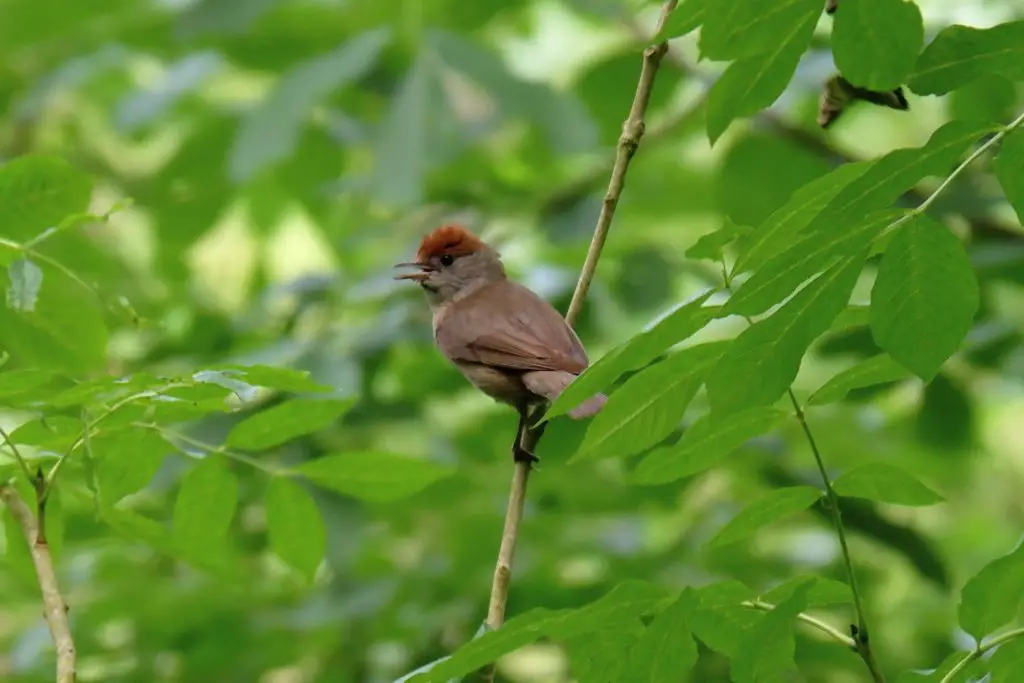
(527, 435)
(520, 453)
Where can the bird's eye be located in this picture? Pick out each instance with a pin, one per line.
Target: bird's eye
(447, 260)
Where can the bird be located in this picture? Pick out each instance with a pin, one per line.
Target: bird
(510, 343)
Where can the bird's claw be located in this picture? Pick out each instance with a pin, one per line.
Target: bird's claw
(520, 454)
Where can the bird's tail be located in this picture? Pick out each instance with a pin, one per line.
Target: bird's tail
(551, 383)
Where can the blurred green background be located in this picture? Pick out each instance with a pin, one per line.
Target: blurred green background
(281, 155)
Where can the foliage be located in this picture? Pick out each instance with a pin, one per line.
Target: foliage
(251, 464)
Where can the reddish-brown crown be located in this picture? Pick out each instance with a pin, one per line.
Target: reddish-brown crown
(448, 239)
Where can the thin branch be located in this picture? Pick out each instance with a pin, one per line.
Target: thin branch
(173, 435)
(923, 206)
(980, 651)
(55, 609)
(629, 141)
(17, 454)
(860, 633)
(830, 631)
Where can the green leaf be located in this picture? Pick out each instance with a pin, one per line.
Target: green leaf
(705, 443)
(752, 83)
(603, 656)
(270, 131)
(776, 234)
(373, 476)
(764, 360)
(924, 298)
(286, 421)
(880, 369)
(742, 28)
(712, 245)
(767, 649)
(884, 483)
(771, 508)
(961, 54)
(849, 218)
(674, 328)
(990, 599)
(717, 618)
(876, 42)
(26, 279)
(683, 19)
(283, 379)
(65, 330)
(38, 192)
(294, 525)
(823, 593)
(1009, 167)
(666, 650)
(205, 506)
(809, 254)
(627, 600)
(128, 461)
(1007, 662)
(646, 409)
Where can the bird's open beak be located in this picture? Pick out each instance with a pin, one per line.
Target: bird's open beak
(420, 276)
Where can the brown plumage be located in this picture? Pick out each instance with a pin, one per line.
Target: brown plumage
(509, 342)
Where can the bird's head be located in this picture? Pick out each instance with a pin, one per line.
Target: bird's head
(452, 262)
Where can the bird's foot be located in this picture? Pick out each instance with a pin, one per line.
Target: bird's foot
(520, 454)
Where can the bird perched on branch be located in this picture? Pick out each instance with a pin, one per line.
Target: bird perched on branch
(510, 343)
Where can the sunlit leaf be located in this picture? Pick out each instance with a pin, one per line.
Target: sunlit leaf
(742, 28)
(960, 54)
(884, 483)
(752, 83)
(706, 442)
(777, 232)
(294, 525)
(373, 476)
(650, 404)
(880, 369)
(286, 421)
(674, 328)
(990, 599)
(764, 360)
(771, 508)
(810, 253)
(876, 42)
(924, 298)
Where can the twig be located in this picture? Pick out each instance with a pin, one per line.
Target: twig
(860, 630)
(55, 609)
(979, 652)
(830, 631)
(629, 141)
(172, 435)
(923, 206)
(17, 454)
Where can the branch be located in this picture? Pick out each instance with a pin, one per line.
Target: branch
(980, 651)
(830, 631)
(629, 141)
(860, 629)
(54, 608)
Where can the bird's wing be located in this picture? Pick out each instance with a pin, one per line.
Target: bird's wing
(472, 331)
